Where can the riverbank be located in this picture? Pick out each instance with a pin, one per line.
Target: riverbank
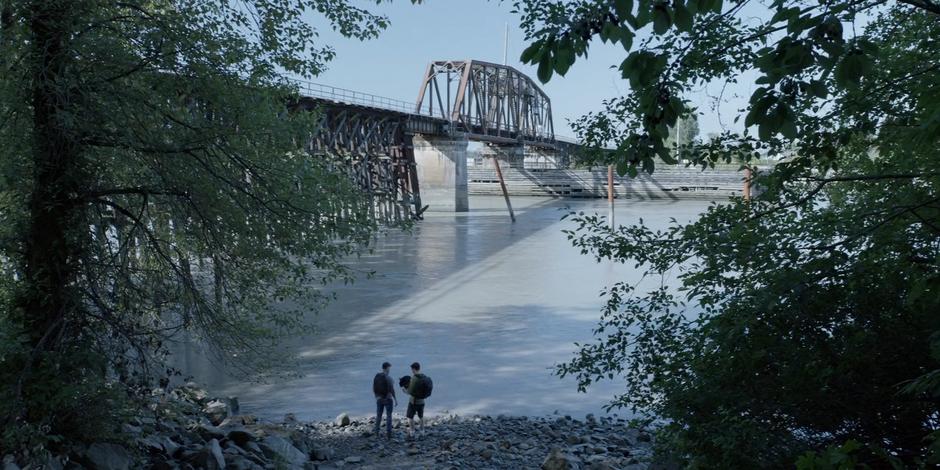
(185, 428)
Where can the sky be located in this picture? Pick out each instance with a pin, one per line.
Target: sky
(394, 64)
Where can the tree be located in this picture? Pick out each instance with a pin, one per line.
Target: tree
(802, 325)
(152, 181)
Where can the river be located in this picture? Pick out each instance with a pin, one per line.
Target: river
(486, 306)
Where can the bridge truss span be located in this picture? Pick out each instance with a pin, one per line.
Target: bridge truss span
(490, 102)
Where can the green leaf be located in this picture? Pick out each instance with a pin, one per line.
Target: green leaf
(623, 8)
(622, 167)
(662, 20)
(628, 67)
(817, 88)
(531, 54)
(785, 14)
(626, 38)
(683, 18)
(788, 128)
(644, 14)
(758, 112)
(564, 57)
(852, 68)
(668, 158)
(546, 64)
(609, 31)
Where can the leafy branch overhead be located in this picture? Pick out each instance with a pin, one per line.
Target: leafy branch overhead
(152, 181)
(799, 327)
(800, 50)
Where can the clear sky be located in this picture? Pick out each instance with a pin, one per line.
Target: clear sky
(393, 65)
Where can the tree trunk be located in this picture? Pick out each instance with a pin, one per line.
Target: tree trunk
(55, 226)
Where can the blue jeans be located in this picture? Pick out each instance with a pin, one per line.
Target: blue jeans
(386, 405)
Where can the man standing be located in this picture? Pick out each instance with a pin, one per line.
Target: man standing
(418, 389)
(384, 390)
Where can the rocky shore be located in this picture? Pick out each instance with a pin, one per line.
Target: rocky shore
(187, 429)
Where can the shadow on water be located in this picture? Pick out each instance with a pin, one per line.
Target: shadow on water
(488, 307)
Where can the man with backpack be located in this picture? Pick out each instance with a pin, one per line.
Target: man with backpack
(419, 389)
(384, 390)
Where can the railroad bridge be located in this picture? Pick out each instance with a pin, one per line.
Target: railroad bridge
(395, 150)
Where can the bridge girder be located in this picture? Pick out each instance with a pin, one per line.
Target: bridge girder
(490, 102)
(374, 148)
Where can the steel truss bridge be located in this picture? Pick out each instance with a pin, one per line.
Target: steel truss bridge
(373, 135)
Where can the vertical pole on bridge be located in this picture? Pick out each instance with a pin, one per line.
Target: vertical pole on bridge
(610, 195)
(506, 46)
(502, 184)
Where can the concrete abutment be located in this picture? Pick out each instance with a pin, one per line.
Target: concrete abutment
(442, 170)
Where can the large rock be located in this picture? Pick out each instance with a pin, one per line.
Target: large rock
(194, 393)
(209, 432)
(105, 456)
(240, 420)
(342, 420)
(164, 465)
(301, 442)
(234, 408)
(599, 462)
(237, 462)
(282, 452)
(156, 444)
(253, 447)
(50, 462)
(558, 460)
(9, 463)
(209, 457)
(240, 436)
(216, 411)
(323, 453)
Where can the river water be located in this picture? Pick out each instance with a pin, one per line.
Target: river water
(486, 306)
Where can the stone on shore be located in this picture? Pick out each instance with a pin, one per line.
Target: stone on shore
(240, 436)
(187, 434)
(216, 411)
(342, 420)
(210, 457)
(282, 451)
(558, 460)
(106, 456)
(9, 463)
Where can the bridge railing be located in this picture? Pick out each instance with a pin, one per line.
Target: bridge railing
(347, 96)
(343, 95)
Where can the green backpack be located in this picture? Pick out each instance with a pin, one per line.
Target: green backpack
(423, 387)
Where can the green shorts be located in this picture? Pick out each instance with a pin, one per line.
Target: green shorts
(412, 409)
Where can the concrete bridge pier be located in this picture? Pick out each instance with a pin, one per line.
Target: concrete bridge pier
(442, 170)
